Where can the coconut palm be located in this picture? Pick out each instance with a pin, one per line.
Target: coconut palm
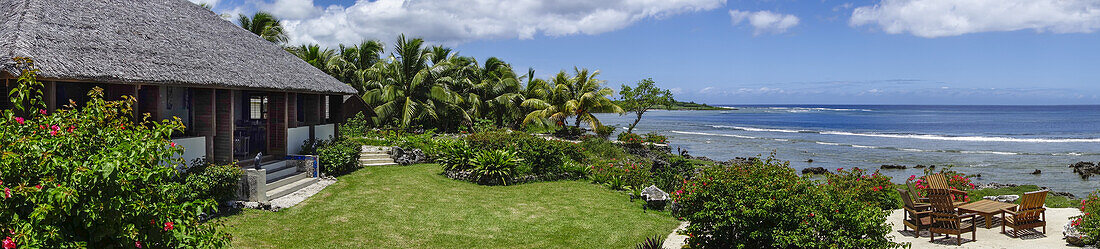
(578, 96)
(350, 62)
(318, 57)
(265, 25)
(409, 90)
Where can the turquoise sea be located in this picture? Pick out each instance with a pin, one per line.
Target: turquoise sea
(1002, 143)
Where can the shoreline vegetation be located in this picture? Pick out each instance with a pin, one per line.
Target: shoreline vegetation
(474, 173)
(686, 106)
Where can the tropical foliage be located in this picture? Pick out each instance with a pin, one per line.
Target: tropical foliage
(779, 210)
(94, 177)
(265, 25)
(641, 98)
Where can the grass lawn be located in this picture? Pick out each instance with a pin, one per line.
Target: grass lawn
(415, 207)
(1051, 201)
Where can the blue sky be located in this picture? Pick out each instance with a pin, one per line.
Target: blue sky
(752, 52)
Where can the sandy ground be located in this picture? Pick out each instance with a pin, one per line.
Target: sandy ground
(993, 238)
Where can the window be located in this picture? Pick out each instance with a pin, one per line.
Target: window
(257, 107)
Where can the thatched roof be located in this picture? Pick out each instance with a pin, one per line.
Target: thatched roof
(167, 42)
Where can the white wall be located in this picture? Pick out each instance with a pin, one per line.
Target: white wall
(193, 147)
(295, 137)
(324, 132)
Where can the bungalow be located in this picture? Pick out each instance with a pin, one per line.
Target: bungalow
(237, 94)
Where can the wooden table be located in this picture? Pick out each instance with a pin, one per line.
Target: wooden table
(988, 209)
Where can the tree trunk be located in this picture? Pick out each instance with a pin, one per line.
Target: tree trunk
(636, 120)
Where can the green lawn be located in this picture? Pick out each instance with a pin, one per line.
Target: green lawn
(1051, 201)
(415, 207)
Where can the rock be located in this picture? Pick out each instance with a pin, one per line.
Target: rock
(1003, 198)
(891, 166)
(810, 160)
(654, 197)
(1085, 169)
(1073, 236)
(406, 157)
(994, 185)
(919, 166)
(658, 165)
(815, 171)
(979, 175)
(1036, 172)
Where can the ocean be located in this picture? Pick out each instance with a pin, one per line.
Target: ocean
(1004, 144)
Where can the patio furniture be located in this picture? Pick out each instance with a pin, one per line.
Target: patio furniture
(909, 185)
(947, 219)
(939, 181)
(916, 215)
(1030, 214)
(987, 209)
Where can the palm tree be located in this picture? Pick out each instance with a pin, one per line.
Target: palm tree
(409, 90)
(315, 56)
(264, 25)
(350, 62)
(579, 96)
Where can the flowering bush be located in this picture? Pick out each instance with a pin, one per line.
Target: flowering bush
(653, 137)
(620, 174)
(95, 178)
(767, 205)
(630, 138)
(1088, 223)
(874, 189)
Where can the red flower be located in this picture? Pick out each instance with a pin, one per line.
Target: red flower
(72, 128)
(9, 243)
(42, 111)
(839, 169)
(168, 226)
(173, 144)
(53, 133)
(137, 244)
(19, 120)
(42, 127)
(7, 192)
(39, 187)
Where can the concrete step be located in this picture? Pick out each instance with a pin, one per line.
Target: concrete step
(288, 180)
(273, 176)
(374, 149)
(374, 156)
(377, 164)
(274, 166)
(379, 160)
(290, 188)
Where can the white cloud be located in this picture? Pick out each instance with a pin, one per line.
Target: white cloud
(938, 18)
(448, 21)
(764, 22)
(211, 3)
(292, 9)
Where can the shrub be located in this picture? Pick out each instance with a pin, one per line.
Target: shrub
(543, 156)
(766, 205)
(874, 189)
(338, 156)
(620, 174)
(493, 167)
(1088, 223)
(356, 126)
(205, 180)
(955, 180)
(653, 137)
(630, 138)
(598, 149)
(94, 178)
(568, 132)
(454, 154)
(670, 177)
(604, 131)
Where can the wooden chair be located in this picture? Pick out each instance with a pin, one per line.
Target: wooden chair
(1030, 213)
(909, 185)
(939, 181)
(916, 215)
(947, 219)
